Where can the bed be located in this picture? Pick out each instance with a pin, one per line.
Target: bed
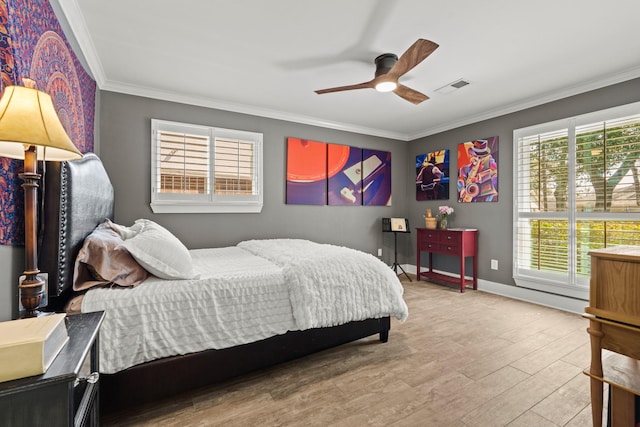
(282, 273)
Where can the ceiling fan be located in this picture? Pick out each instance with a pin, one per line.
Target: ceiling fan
(389, 68)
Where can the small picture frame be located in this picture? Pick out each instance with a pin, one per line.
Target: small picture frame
(400, 225)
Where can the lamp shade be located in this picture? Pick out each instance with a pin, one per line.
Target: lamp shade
(28, 117)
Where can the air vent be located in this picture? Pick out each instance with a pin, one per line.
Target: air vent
(459, 84)
(452, 86)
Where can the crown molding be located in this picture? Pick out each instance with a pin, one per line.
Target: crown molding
(577, 89)
(78, 26)
(147, 92)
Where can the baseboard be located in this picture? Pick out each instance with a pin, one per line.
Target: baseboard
(546, 299)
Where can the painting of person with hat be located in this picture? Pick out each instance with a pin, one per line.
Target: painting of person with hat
(478, 170)
(432, 175)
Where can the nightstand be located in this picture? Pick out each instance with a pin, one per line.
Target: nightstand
(65, 395)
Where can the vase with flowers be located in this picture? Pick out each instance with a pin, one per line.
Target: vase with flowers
(445, 211)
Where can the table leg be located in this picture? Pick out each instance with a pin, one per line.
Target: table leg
(622, 408)
(475, 272)
(461, 273)
(595, 334)
(418, 261)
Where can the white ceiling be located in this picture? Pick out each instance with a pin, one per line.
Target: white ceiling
(267, 57)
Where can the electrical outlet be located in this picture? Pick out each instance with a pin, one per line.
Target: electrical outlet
(494, 264)
(379, 251)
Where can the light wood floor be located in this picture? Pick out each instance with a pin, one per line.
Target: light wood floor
(472, 359)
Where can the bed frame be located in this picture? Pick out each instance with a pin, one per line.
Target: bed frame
(79, 196)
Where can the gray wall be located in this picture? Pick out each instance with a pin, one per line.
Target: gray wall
(124, 139)
(11, 267)
(126, 146)
(494, 220)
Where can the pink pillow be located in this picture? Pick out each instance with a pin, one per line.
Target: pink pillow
(103, 260)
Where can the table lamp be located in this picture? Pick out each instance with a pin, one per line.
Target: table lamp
(30, 129)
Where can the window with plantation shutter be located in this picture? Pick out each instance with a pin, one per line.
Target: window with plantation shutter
(204, 169)
(576, 188)
(234, 166)
(183, 163)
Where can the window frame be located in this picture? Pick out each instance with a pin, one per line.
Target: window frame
(209, 202)
(570, 283)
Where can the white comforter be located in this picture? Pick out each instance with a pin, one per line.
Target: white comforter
(331, 285)
(243, 294)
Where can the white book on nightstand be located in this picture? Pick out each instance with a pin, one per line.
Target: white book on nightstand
(28, 346)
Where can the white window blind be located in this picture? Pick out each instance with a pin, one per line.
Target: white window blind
(183, 163)
(205, 169)
(576, 189)
(542, 206)
(234, 167)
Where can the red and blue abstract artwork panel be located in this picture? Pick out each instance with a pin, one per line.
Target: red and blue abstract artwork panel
(306, 172)
(344, 169)
(376, 178)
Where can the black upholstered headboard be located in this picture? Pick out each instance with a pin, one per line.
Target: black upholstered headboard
(78, 196)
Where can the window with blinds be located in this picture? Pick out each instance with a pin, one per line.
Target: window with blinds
(183, 163)
(577, 188)
(205, 169)
(234, 166)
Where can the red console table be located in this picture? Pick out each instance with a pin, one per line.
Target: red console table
(458, 242)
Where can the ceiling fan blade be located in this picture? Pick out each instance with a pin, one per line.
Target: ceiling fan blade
(365, 85)
(410, 95)
(360, 50)
(417, 53)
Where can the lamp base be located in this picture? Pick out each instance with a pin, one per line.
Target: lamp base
(31, 294)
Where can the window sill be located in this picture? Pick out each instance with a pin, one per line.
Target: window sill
(538, 284)
(185, 207)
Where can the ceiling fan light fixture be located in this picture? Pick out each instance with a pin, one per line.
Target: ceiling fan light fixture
(389, 68)
(386, 86)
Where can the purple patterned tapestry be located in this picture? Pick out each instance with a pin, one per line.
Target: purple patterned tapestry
(32, 45)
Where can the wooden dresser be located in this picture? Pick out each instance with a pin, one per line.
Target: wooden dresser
(614, 325)
(459, 242)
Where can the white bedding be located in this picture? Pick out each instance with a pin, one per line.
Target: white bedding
(238, 298)
(331, 285)
(245, 293)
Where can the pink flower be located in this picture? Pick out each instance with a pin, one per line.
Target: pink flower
(445, 210)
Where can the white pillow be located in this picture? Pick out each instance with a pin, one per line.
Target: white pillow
(156, 249)
(124, 231)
